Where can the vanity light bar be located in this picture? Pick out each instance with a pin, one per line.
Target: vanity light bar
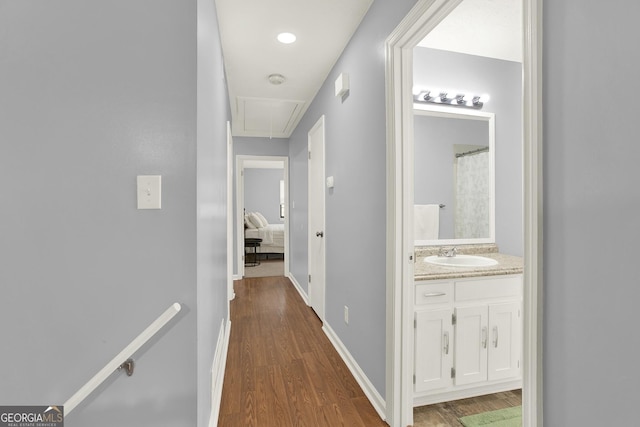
(451, 98)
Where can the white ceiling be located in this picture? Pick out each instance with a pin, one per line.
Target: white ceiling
(491, 28)
(248, 30)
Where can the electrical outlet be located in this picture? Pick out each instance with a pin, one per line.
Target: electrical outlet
(346, 314)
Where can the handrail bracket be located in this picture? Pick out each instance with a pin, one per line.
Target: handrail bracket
(128, 366)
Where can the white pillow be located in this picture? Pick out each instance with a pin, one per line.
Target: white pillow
(264, 221)
(255, 220)
(248, 222)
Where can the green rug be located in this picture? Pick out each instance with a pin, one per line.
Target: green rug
(509, 417)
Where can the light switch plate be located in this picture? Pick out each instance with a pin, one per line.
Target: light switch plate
(149, 191)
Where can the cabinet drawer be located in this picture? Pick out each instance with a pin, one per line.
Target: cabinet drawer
(434, 293)
(494, 287)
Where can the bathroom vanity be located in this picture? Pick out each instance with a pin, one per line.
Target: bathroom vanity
(467, 327)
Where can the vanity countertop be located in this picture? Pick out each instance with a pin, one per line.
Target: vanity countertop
(507, 264)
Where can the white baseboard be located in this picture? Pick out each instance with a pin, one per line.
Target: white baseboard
(237, 277)
(217, 371)
(370, 391)
(298, 288)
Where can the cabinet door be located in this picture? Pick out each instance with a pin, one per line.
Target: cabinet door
(505, 331)
(471, 344)
(433, 349)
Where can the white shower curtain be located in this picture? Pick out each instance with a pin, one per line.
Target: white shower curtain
(472, 196)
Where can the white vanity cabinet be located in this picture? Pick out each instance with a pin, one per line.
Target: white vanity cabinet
(468, 337)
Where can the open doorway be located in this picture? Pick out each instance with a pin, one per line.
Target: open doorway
(467, 80)
(400, 103)
(262, 223)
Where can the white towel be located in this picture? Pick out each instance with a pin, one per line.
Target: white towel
(426, 222)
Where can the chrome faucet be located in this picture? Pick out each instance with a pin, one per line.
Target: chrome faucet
(449, 253)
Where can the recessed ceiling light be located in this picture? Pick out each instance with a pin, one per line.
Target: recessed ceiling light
(286, 38)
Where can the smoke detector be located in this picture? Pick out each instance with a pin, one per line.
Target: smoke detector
(276, 79)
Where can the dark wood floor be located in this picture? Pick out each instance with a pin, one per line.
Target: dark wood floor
(281, 368)
(446, 414)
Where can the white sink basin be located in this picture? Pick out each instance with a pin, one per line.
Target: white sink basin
(461, 261)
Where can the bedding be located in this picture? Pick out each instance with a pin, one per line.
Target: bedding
(272, 235)
(272, 238)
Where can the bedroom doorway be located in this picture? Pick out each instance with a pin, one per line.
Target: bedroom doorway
(262, 215)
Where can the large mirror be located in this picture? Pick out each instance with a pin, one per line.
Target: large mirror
(454, 176)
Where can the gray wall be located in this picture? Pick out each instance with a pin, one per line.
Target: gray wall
(502, 80)
(93, 94)
(434, 155)
(262, 192)
(591, 205)
(356, 207)
(212, 148)
(254, 146)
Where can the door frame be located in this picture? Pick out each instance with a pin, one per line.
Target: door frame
(319, 124)
(240, 166)
(230, 291)
(422, 18)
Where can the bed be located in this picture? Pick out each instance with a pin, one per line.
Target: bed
(272, 235)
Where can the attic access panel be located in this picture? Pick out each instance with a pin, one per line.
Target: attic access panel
(267, 117)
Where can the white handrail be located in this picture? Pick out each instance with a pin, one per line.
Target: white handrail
(128, 351)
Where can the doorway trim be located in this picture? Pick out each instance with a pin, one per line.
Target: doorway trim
(424, 16)
(240, 166)
(230, 292)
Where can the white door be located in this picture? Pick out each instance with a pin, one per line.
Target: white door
(504, 345)
(471, 344)
(433, 349)
(316, 219)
